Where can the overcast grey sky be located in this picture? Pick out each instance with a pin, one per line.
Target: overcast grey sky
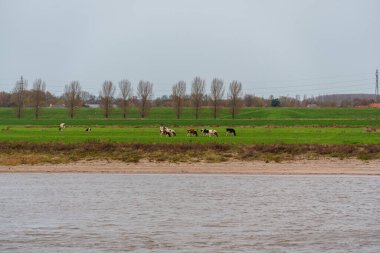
(279, 47)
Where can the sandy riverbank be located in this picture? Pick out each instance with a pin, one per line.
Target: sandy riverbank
(308, 167)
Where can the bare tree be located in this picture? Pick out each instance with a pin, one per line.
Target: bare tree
(234, 96)
(88, 98)
(144, 93)
(106, 97)
(38, 96)
(19, 96)
(72, 96)
(216, 95)
(178, 95)
(126, 93)
(197, 93)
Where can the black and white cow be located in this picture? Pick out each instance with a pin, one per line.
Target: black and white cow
(230, 131)
(209, 132)
(204, 131)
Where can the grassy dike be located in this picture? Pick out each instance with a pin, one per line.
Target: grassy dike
(286, 117)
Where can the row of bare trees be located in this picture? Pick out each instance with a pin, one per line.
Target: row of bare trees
(198, 88)
(73, 96)
(73, 93)
(145, 93)
(37, 93)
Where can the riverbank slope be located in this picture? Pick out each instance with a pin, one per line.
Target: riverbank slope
(293, 167)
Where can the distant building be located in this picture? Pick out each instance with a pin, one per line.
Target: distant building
(373, 105)
(91, 105)
(57, 106)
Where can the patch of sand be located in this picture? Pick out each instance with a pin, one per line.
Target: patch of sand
(296, 167)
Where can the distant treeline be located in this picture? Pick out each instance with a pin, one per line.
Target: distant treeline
(123, 96)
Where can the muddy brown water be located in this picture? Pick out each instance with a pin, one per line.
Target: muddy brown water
(188, 213)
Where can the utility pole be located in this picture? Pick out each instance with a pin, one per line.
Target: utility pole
(377, 86)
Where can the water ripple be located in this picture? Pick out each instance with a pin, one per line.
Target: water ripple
(188, 213)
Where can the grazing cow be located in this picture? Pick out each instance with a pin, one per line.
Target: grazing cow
(209, 132)
(88, 129)
(204, 131)
(171, 131)
(212, 133)
(230, 131)
(165, 131)
(61, 127)
(192, 132)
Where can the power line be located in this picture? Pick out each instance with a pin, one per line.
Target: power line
(313, 84)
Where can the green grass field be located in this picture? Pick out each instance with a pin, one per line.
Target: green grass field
(253, 125)
(256, 135)
(319, 117)
(270, 134)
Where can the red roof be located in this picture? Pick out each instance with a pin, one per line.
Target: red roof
(374, 105)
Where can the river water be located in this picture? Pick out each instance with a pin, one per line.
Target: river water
(188, 213)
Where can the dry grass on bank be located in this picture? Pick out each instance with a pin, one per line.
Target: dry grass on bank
(15, 153)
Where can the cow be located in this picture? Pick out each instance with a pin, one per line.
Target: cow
(230, 131)
(204, 131)
(171, 131)
(209, 132)
(192, 132)
(212, 133)
(167, 132)
(61, 127)
(164, 131)
(88, 129)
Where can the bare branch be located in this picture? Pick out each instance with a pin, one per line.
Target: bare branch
(234, 95)
(38, 95)
(106, 97)
(72, 97)
(197, 93)
(19, 96)
(216, 95)
(178, 95)
(144, 93)
(126, 93)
